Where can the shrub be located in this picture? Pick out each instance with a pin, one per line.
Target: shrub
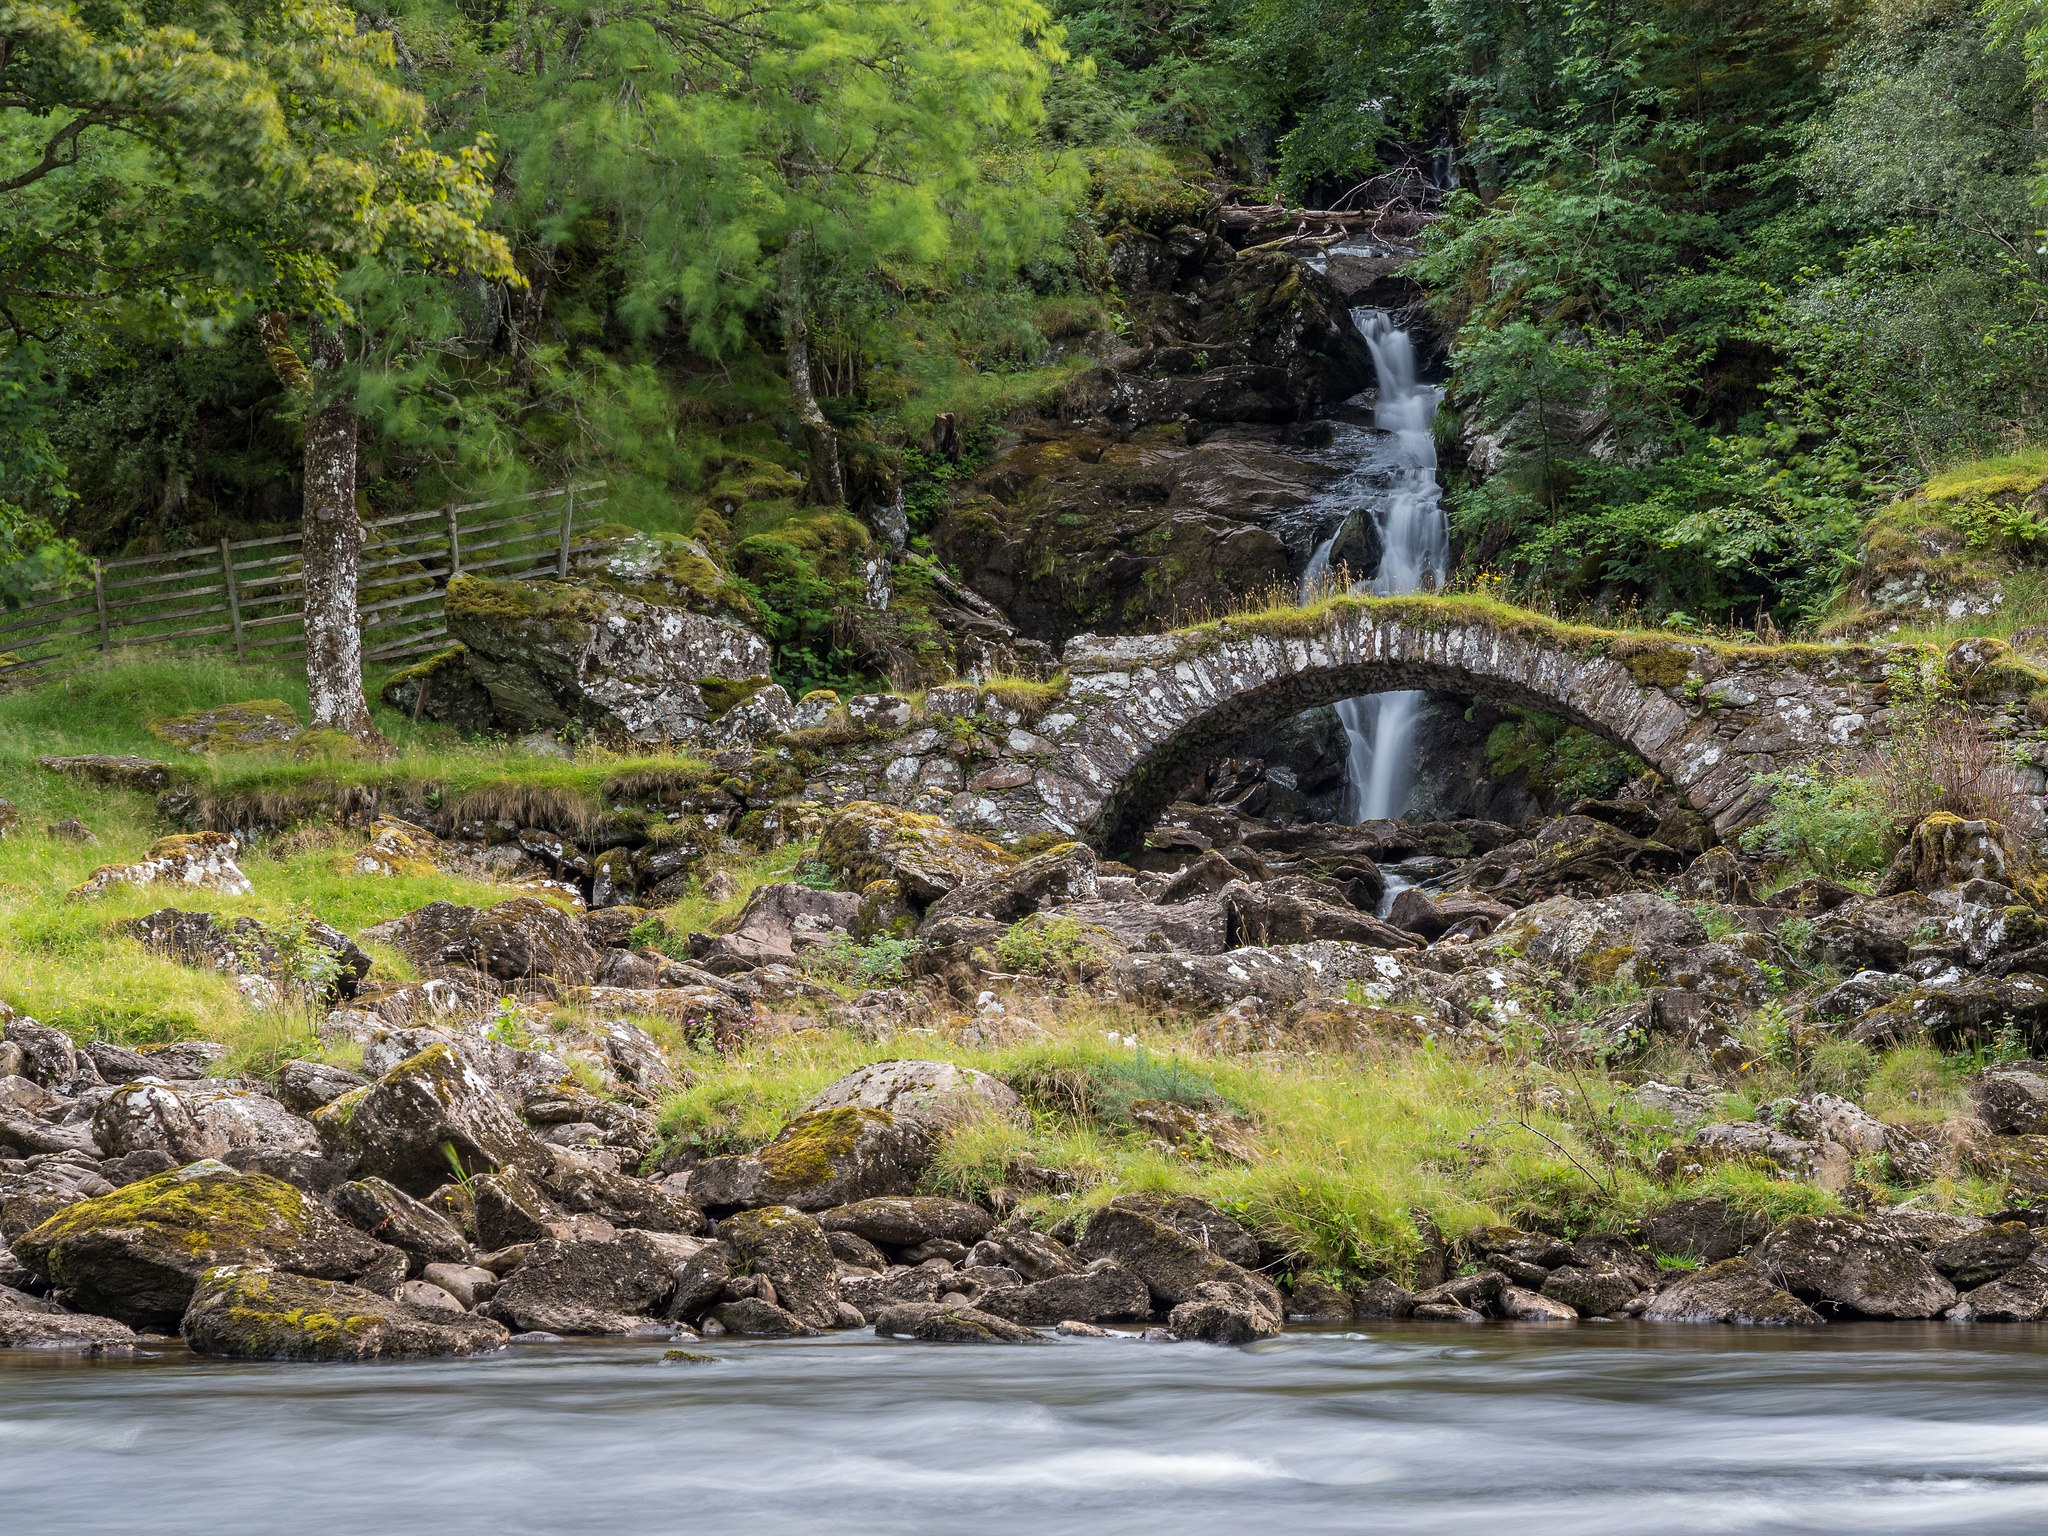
(1937, 756)
(880, 962)
(1835, 824)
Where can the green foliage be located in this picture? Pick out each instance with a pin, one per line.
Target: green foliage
(1559, 762)
(1045, 946)
(1833, 823)
(880, 962)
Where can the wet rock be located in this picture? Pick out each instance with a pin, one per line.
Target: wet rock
(585, 1287)
(512, 1208)
(552, 652)
(1220, 1312)
(778, 922)
(1382, 1298)
(1060, 876)
(1175, 1268)
(1431, 917)
(304, 1086)
(136, 1253)
(1593, 1291)
(1105, 1292)
(29, 1322)
(788, 1247)
(1985, 1255)
(427, 1109)
(935, 1323)
(905, 1221)
(390, 1215)
(1031, 1253)
(751, 1315)
(2020, 1295)
(1471, 1292)
(249, 1313)
(1704, 1229)
(933, 1097)
(1520, 1306)
(1841, 1264)
(2012, 1100)
(866, 842)
(193, 861)
(1732, 1291)
(871, 1295)
(1201, 1223)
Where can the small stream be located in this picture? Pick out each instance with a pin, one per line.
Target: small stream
(1627, 1429)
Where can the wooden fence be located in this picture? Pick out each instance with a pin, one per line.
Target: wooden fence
(244, 595)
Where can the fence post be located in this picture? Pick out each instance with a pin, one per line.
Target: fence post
(227, 570)
(454, 546)
(568, 526)
(99, 598)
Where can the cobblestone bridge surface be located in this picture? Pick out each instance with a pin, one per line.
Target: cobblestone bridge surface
(1143, 713)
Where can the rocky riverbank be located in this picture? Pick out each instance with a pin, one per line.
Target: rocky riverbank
(544, 1136)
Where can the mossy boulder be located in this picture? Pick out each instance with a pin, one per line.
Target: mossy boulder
(933, 1097)
(554, 652)
(1063, 873)
(927, 858)
(1732, 1291)
(789, 1248)
(904, 1221)
(820, 1159)
(244, 727)
(1847, 1266)
(249, 1313)
(674, 570)
(427, 1117)
(1173, 1265)
(441, 688)
(137, 1253)
(586, 1287)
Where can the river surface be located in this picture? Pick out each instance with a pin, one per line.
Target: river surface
(1504, 1430)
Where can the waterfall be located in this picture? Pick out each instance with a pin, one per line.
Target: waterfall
(1379, 728)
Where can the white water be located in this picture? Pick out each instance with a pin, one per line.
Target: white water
(1379, 728)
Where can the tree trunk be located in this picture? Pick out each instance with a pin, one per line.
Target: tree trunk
(331, 550)
(824, 485)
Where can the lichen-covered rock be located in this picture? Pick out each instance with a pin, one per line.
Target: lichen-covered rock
(304, 1086)
(1845, 1265)
(1059, 876)
(390, 1215)
(1104, 1292)
(1984, 1255)
(121, 772)
(1945, 850)
(194, 861)
(585, 1287)
(427, 1116)
(1960, 1015)
(1823, 1163)
(2012, 1100)
(511, 1208)
(930, 1096)
(515, 940)
(146, 1115)
(238, 1118)
(552, 652)
(1873, 933)
(1032, 1254)
(1207, 1227)
(1704, 1229)
(1276, 977)
(318, 962)
(866, 842)
(1222, 1313)
(789, 1248)
(136, 1254)
(937, 1323)
(904, 1221)
(1732, 1291)
(249, 1313)
(778, 922)
(1258, 915)
(2020, 1295)
(30, 1322)
(753, 1316)
(31, 1196)
(1173, 1266)
(1597, 1290)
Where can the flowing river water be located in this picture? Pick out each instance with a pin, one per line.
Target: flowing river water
(1504, 1429)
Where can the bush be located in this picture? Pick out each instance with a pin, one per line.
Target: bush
(1046, 946)
(877, 963)
(1937, 757)
(1835, 824)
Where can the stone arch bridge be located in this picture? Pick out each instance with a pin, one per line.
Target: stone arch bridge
(1143, 713)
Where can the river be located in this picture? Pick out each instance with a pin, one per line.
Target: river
(1504, 1430)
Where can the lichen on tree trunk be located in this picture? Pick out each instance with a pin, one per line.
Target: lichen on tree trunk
(824, 485)
(331, 548)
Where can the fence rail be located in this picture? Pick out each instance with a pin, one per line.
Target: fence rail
(243, 595)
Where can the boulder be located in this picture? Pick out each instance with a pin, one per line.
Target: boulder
(750, 1315)
(1382, 1298)
(1856, 995)
(1732, 1291)
(1197, 1220)
(238, 1119)
(48, 1058)
(1705, 1229)
(933, 1097)
(1944, 851)
(1313, 1299)
(1716, 876)
(1828, 1117)
(390, 1215)
(1104, 1292)
(1598, 1290)
(1571, 856)
(907, 1220)
(820, 1159)
(701, 1281)
(30, 1322)
(1276, 977)
(23, 1134)
(193, 861)
(1030, 1253)
(511, 1208)
(516, 940)
(1984, 1255)
(1520, 1306)
(778, 922)
(2020, 1295)
(249, 1313)
(1201, 1133)
(304, 1086)
(1961, 1015)
(871, 1295)
(31, 1196)
(428, 1115)
(1221, 1312)
(245, 948)
(120, 772)
(1173, 1266)
(936, 1323)
(552, 652)
(1840, 1264)
(789, 1249)
(625, 1201)
(585, 1287)
(470, 1284)
(1873, 933)
(136, 1253)
(1258, 915)
(2012, 1100)
(1061, 875)
(1823, 1163)
(866, 842)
